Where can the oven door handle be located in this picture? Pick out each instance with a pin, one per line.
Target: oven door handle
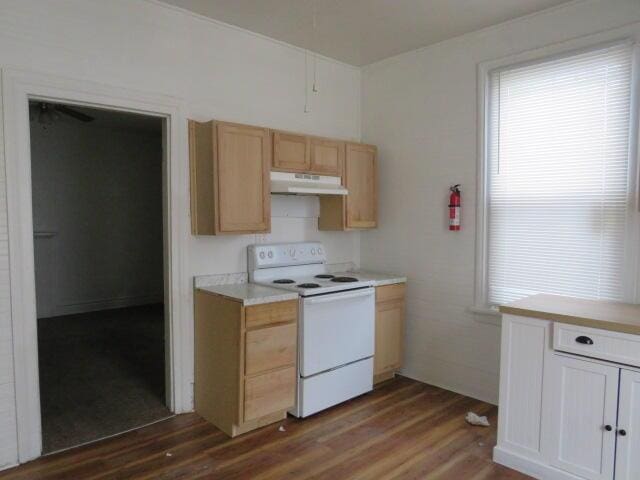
(332, 298)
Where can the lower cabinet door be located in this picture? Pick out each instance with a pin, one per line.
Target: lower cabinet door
(583, 427)
(269, 393)
(628, 438)
(389, 333)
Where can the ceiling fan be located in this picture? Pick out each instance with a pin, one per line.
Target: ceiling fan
(46, 113)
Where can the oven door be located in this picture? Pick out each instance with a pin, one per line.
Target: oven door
(336, 329)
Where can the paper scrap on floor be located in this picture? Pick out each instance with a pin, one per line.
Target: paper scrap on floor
(475, 419)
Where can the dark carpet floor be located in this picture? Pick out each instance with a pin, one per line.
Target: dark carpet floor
(101, 373)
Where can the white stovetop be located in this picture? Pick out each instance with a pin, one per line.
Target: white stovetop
(326, 285)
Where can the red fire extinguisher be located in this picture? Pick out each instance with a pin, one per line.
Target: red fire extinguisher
(455, 200)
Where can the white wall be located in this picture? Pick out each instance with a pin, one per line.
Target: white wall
(217, 71)
(97, 188)
(420, 108)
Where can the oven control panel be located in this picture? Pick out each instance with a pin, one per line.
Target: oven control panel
(285, 254)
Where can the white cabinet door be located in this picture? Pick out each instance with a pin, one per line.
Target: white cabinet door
(525, 342)
(628, 448)
(582, 430)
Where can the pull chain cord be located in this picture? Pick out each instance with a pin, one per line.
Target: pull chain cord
(315, 46)
(306, 82)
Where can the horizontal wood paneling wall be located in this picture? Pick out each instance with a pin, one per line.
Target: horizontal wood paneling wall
(420, 109)
(217, 71)
(8, 445)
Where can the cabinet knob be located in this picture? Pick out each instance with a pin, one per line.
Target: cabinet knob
(584, 340)
(622, 433)
(608, 428)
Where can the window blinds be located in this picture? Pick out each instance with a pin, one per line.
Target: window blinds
(558, 181)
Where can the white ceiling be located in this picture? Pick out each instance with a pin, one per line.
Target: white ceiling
(360, 32)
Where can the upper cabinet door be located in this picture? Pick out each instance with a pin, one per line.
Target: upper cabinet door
(584, 417)
(627, 458)
(291, 152)
(327, 156)
(361, 182)
(243, 163)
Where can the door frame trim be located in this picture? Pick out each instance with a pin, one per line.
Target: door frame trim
(18, 87)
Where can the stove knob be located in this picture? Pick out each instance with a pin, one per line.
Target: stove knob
(313, 251)
(319, 250)
(261, 255)
(270, 254)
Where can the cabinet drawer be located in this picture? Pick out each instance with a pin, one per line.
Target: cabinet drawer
(390, 292)
(269, 393)
(270, 348)
(270, 313)
(613, 346)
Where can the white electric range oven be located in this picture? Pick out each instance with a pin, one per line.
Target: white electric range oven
(336, 322)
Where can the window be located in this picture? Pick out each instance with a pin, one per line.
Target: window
(557, 177)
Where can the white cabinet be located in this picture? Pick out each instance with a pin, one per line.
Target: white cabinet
(582, 417)
(521, 375)
(628, 438)
(564, 416)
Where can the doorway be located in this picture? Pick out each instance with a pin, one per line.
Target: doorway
(99, 252)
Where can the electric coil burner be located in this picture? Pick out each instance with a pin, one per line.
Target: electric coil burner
(309, 285)
(283, 281)
(344, 279)
(324, 276)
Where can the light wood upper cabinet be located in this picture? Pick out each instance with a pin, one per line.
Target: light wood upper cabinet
(361, 181)
(389, 330)
(291, 152)
(327, 156)
(230, 185)
(358, 209)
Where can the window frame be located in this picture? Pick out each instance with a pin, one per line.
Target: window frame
(631, 276)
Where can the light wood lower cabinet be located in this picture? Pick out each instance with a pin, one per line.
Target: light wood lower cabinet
(230, 184)
(245, 362)
(359, 209)
(390, 301)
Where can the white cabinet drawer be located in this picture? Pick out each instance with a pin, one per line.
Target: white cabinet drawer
(613, 346)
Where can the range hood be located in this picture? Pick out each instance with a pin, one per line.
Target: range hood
(306, 184)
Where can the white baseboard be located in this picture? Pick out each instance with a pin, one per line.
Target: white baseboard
(473, 395)
(7, 466)
(530, 467)
(105, 304)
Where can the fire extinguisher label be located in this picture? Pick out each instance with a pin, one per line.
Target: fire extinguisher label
(454, 218)
(455, 201)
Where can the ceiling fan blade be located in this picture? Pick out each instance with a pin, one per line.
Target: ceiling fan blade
(83, 117)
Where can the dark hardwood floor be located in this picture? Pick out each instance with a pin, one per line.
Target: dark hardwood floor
(402, 430)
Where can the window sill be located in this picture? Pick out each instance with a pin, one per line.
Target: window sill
(488, 315)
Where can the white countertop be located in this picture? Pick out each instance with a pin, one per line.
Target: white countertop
(250, 294)
(380, 279)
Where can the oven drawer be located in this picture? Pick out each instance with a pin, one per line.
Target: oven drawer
(335, 386)
(270, 348)
(596, 343)
(271, 313)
